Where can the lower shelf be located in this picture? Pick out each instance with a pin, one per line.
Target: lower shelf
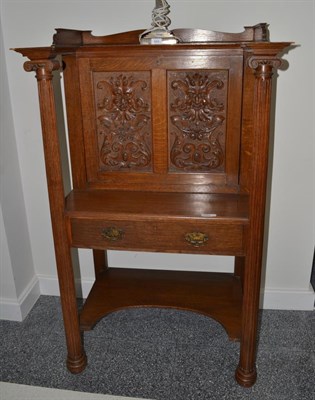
(218, 295)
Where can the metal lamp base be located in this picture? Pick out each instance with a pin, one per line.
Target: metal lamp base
(158, 36)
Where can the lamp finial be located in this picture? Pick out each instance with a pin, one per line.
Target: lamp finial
(159, 32)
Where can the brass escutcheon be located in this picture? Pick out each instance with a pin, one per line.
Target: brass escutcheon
(196, 239)
(112, 233)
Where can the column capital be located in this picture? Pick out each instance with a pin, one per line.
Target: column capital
(43, 68)
(264, 65)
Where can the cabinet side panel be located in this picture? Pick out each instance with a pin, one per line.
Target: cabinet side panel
(74, 122)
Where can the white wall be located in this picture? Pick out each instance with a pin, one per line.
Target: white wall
(291, 223)
(7, 286)
(19, 284)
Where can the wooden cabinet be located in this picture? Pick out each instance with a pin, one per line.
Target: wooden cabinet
(169, 150)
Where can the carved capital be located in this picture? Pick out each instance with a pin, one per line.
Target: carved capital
(43, 68)
(264, 65)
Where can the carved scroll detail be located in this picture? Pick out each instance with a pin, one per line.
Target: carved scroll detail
(43, 68)
(197, 120)
(123, 118)
(263, 65)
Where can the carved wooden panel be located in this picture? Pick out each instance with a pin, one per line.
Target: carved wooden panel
(197, 120)
(123, 113)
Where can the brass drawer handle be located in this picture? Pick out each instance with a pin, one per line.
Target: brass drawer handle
(112, 233)
(196, 239)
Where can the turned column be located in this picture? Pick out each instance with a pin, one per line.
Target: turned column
(76, 359)
(263, 69)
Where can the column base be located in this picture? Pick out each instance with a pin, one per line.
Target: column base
(244, 378)
(75, 366)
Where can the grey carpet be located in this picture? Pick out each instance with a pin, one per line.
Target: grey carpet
(161, 354)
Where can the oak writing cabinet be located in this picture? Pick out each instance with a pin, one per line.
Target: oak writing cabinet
(169, 151)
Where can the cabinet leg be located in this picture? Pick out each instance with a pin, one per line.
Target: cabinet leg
(76, 357)
(76, 360)
(75, 366)
(100, 261)
(246, 373)
(239, 268)
(246, 378)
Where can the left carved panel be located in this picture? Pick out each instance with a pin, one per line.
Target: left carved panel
(123, 114)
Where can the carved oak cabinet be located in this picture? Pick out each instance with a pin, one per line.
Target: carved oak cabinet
(169, 151)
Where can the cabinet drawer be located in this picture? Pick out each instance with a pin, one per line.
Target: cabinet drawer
(167, 236)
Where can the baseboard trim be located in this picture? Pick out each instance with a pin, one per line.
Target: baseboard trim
(273, 299)
(17, 309)
(280, 299)
(49, 286)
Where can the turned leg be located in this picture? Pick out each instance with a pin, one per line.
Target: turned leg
(246, 373)
(249, 267)
(76, 358)
(262, 66)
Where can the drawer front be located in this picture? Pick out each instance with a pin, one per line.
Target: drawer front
(164, 236)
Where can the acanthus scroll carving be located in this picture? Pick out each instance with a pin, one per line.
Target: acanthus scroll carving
(123, 115)
(197, 120)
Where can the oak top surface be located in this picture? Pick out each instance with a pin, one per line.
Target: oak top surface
(104, 203)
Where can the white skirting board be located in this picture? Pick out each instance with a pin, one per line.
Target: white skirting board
(280, 299)
(49, 286)
(17, 309)
(272, 299)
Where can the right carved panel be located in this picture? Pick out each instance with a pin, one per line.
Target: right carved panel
(197, 120)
